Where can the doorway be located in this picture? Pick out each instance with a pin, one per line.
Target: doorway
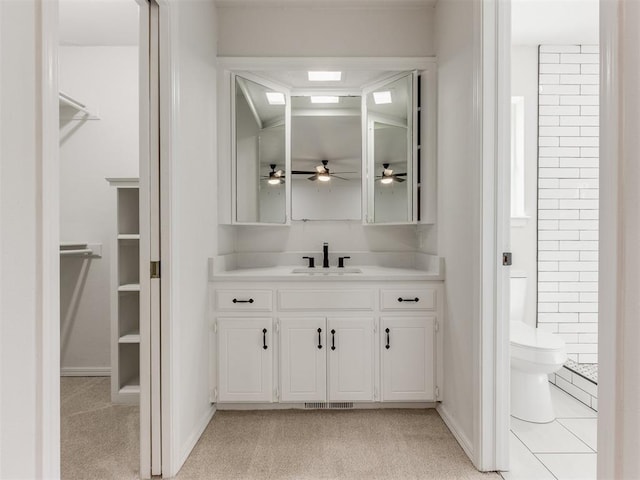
(105, 238)
(554, 227)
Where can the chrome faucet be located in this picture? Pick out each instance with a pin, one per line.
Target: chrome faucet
(325, 255)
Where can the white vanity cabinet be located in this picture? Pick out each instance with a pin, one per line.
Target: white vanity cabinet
(327, 341)
(326, 359)
(245, 356)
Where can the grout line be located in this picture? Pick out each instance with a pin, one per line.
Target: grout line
(575, 435)
(533, 454)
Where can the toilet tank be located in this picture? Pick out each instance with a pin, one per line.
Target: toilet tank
(518, 294)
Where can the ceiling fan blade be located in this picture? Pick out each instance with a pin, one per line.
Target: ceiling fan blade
(401, 174)
(341, 178)
(343, 172)
(400, 180)
(313, 178)
(302, 172)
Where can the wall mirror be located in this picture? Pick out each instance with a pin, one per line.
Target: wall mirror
(260, 152)
(340, 149)
(326, 157)
(390, 150)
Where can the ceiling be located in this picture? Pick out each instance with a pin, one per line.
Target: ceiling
(555, 22)
(98, 22)
(534, 22)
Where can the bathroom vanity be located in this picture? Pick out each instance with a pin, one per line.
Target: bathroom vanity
(291, 336)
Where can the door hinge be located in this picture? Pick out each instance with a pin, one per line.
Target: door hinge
(215, 394)
(437, 392)
(155, 269)
(215, 327)
(506, 258)
(278, 326)
(436, 326)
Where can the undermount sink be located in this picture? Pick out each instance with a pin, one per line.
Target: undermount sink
(326, 271)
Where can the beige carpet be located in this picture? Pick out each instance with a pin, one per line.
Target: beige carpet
(99, 440)
(328, 444)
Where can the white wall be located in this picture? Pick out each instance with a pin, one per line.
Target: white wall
(459, 183)
(106, 79)
(189, 179)
(524, 83)
(325, 31)
(29, 385)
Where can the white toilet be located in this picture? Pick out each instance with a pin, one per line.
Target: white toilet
(534, 355)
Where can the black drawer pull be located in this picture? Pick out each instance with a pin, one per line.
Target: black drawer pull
(319, 338)
(264, 338)
(333, 339)
(387, 346)
(400, 299)
(235, 300)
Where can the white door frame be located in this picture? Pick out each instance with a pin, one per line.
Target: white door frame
(492, 104)
(48, 335)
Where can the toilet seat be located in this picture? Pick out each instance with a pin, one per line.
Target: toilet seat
(526, 336)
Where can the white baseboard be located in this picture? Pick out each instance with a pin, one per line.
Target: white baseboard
(194, 437)
(85, 371)
(456, 431)
(301, 406)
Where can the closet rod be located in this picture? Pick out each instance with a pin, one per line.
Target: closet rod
(84, 251)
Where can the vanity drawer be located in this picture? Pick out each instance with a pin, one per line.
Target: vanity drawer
(326, 299)
(244, 300)
(408, 299)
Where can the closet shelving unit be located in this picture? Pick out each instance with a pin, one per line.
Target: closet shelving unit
(125, 295)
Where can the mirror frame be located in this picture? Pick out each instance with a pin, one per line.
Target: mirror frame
(259, 68)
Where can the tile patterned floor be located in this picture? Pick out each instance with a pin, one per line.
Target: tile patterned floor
(564, 449)
(587, 370)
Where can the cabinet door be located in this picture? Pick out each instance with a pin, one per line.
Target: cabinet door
(245, 359)
(350, 342)
(408, 358)
(303, 360)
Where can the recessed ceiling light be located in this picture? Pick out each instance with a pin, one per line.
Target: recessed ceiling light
(324, 99)
(382, 97)
(325, 76)
(275, 98)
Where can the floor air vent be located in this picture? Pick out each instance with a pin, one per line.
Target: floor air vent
(333, 405)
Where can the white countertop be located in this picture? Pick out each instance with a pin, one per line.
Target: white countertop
(430, 270)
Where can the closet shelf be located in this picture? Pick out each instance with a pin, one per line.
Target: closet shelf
(128, 236)
(67, 101)
(129, 287)
(133, 337)
(133, 386)
(79, 249)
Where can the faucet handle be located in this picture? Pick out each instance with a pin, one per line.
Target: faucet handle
(312, 261)
(341, 261)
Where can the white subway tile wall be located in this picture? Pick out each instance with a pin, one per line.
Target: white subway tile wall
(568, 162)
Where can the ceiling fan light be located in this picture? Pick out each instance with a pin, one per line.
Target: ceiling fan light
(386, 180)
(324, 177)
(274, 181)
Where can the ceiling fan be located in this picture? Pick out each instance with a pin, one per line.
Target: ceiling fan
(275, 177)
(389, 177)
(321, 173)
